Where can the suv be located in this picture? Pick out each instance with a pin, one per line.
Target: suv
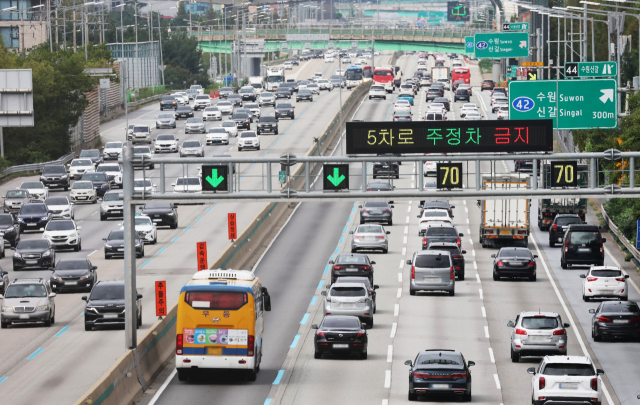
(376, 211)
(566, 380)
(33, 216)
(9, 230)
(456, 255)
(561, 223)
(432, 270)
(141, 134)
(28, 300)
(461, 94)
(387, 169)
(169, 102)
(248, 93)
(538, 333)
(349, 299)
(582, 245)
(267, 123)
(351, 265)
(112, 205)
(201, 102)
(105, 305)
(55, 176)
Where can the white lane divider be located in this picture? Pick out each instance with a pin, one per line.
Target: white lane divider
(399, 277)
(469, 231)
(486, 332)
(471, 241)
(409, 209)
(480, 292)
(404, 251)
(484, 312)
(495, 377)
(394, 328)
(473, 252)
(396, 310)
(387, 379)
(467, 220)
(406, 229)
(399, 293)
(402, 264)
(466, 209)
(405, 240)
(493, 359)
(475, 265)
(477, 277)
(390, 354)
(407, 220)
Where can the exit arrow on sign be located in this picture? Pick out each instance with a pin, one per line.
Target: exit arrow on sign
(214, 179)
(607, 95)
(336, 178)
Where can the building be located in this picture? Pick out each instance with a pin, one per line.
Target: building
(142, 69)
(23, 24)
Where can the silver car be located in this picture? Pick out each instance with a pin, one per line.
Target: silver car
(267, 98)
(225, 107)
(28, 300)
(370, 237)
(14, 199)
(60, 207)
(194, 125)
(349, 299)
(538, 334)
(166, 121)
(432, 270)
(364, 280)
(112, 205)
(191, 148)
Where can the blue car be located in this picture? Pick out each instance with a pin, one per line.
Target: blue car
(408, 98)
(100, 182)
(33, 216)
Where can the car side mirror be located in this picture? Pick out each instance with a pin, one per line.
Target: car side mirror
(350, 232)
(452, 206)
(140, 208)
(592, 311)
(94, 267)
(604, 240)
(323, 293)
(461, 234)
(104, 239)
(420, 206)
(266, 301)
(373, 262)
(626, 276)
(464, 252)
(84, 298)
(566, 325)
(535, 257)
(471, 363)
(52, 295)
(139, 296)
(388, 232)
(331, 262)
(583, 276)
(79, 228)
(314, 326)
(494, 256)
(408, 363)
(510, 324)
(409, 262)
(418, 216)
(599, 371)
(531, 370)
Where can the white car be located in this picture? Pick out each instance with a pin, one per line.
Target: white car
(194, 125)
(185, 96)
(288, 65)
(499, 102)
(467, 108)
(429, 217)
(314, 88)
(377, 91)
(328, 58)
(83, 191)
(340, 72)
(439, 107)
(376, 53)
(362, 61)
(78, 167)
(366, 55)
(402, 105)
(187, 185)
(473, 116)
(604, 282)
(254, 108)
(225, 107)
(230, 127)
(406, 89)
(248, 139)
(63, 234)
(143, 184)
(346, 60)
(211, 113)
(112, 150)
(324, 84)
(217, 136)
(146, 229)
(503, 112)
(267, 98)
(60, 207)
(202, 102)
(566, 380)
(353, 54)
(182, 99)
(35, 189)
(430, 167)
(166, 143)
(113, 172)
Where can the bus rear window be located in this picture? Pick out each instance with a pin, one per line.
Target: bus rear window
(216, 299)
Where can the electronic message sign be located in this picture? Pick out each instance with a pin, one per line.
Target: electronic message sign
(457, 11)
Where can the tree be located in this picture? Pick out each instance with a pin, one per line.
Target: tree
(181, 51)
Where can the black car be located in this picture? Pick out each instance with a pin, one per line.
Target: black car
(376, 211)
(285, 110)
(304, 94)
(242, 120)
(441, 233)
(73, 275)
(456, 255)
(340, 335)
(436, 205)
(402, 116)
(461, 94)
(352, 265)
(444, 101)
(560, 224)
(514, 262)
(161, 213)
(105, 305)
(525, 165)
(4, 281)
(33, 253)
(615, 320)
(440, 372)
(386, 169)
(582, 245)
(9, 229)
(184, 111)
(380, 186)
(283, 92)
(454, 85)
(267, 123)
(53, 176)
(294, 61)
(248, 94)
(434, 93)
(235, 99)
(93, 154)
(100, 182)
(114, 245)
(168, 102)
(33, 217)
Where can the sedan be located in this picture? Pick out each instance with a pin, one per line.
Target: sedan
(444, 101)
(473, 116)
(283, 92)
(36, 189)
(235, 100)
(230, 127)
(33, 253)
(605, 282)
(467, 108)
(9, 230)
(211, 114)
(440, 372)
(114, 245)
(615, 320)
(187, 185)
(166, 121)
(285, 110)
(370, 237)
(225, 107)
(73, 275)
(191, 148)
(194, 125)
(376, 211)
(340, 334)
(267, 98)
(146, 229)
(402, 105)
(184, 111)
(217, 136)
(242, 120)
(402, 116)
(304, 94)
(514, 262)
(351, 265)
(380, 186)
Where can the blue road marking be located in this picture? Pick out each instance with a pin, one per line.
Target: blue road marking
(278, 377)
(345, 229)
(63, 330)
(341, 239)
(326, 269)
(161, 250)
(320, 284)
(208, 209)
(3, 378)
(295, 342)
(267, 401)
(174, 239)
(187, 228)
(304, 320)
(353, 208)
(350, 218)
(336, 251)
(37, 352)
(198, 219)
(145, 263)
(313, 300)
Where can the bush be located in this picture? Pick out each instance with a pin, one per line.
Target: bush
(486, 65)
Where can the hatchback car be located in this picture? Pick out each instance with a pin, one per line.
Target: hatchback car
(184, 111)
(352, 265)
(112, 205)
(514, 262)
(14, 199)
(487, 85)
(439, 372)
(60, 207)
(73, 275)
(211, 114)
(225, 107)
(83, 191)
(615, 320)
(114, 245)
(105, 305)
(340, 335)
(462, 95)
(376, 211)
(100, 182)
(36, 190)
(432, 270)
(28, 300)
(605, 282)
(78, 167)
(537, 333)
(372, 237)
(559, 225)
(230, 127)
(33, 253)
(582, 245)
(349, 299)
(304, 94)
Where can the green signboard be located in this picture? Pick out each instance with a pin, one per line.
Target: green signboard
(515, 27)
(572, 104)
(468, 45)
(512, 71)
(502, 45)
(591, 69)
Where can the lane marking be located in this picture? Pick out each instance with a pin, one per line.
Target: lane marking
(402, 264)
(405, 240)
(326, 269)
(484, 312)
(278, 377)
(336, 251)
(467, 220)
(399, 277)
(63, 330)
(187, 228)
(390, 354)
(493, 359)
(92, 253)
(469, 231)
(480, 291)
(473, 252)
(267, 401)
(145, 263)
(471, 241)
(486, 332)
(161, 250)
(409, 209)
(295, 341)
(477, 277)
(406, 229)
(396, 310)
(399, 293)
(313, 300)
(475, 265)
(320, 284)
(495, 377)
(163, 387)
(37, 352)
(174, 239)
(387, 379)
(466, 209)
(394, 328)
(407, 220)
(404, 251)
(341, 239)
(305, 318)
(2, 379)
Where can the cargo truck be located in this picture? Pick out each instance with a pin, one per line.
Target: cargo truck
(439, 73)
(505, 220)
(548, 208)
(275, 76)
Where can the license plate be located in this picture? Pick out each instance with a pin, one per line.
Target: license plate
(569, 386)
(376, 212)
(620, 321)
(352, 269)
(120, 250)
(584, 250)
(32, 224)
(82, 198)
(157, 220)
(440, 386)
(214, 351)
(70, 283)
(431, 279)
(348, 305)
(117, 211)
(53, 184)
(538, 339)
(110, 316)
(183, 115)
(31, 261)
(24, 316)
(559, 239)
(505, 232)
(340, 346)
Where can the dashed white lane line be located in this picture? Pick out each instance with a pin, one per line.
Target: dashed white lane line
(386, 402)
(95, 213)
(477, 277)
(475, 265)
(407, 220)
(404, 251)
(464, 202)
(467, 220)
(405, 240)
(394, 328)
(409, 209)
(396, 310)
(495, 377)
(400, 277)
(480, 292)
(92, 253)
(466, 209)
(413, 185)
(387, 379)
(399, 293)
(493, 359)
(486, 332)
(484, 312)
(471, 241)
(402, 264)
(390, 354)
(406, 229)
(469, 231)
(473, 252)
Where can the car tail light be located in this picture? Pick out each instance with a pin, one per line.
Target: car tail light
(365, 210)
(424, 242)
(386, 211)
(360, 334)
(592, 278)
(634, 320)
(251, 342)
(522, 232)
(457, 256)
(521, 332)
(621, 279)
(179, 341)
(559, 332)
(336, 267)
(319, 333)
(541, 383)
(555, 227)
(413, 272)
(499, 263)
(459, 375)
(566, 245)
(453, 273)
(490, 232)
(458, 242)
(380, 236)
(594, 384)
(600, 245)
(531, 264)
(396, 116)
(366, 268)
(421, 375)
(604, 319)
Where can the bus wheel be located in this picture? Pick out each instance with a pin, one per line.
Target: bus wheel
(183, 374)
(251, 375)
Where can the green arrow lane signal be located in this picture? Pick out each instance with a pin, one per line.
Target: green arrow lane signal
(215, 180)
(337, 178)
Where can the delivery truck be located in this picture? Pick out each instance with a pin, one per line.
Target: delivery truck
(548, 208)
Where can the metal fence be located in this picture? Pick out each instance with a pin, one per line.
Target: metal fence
(614, 230)
(36, 166)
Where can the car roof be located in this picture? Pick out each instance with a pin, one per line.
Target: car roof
(568, 359)
(539, 313)
(432, 252)
(452, 244)
(28, 281)
(351, 284)
(353, 279)
(583, 227)
(604, 268)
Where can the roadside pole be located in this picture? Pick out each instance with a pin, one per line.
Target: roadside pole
(130, 308)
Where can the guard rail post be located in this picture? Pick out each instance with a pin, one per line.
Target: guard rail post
(632, 172)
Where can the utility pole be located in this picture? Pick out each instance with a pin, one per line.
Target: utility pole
(74, 32)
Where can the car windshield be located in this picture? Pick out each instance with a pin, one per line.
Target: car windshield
(246, 90)
(348, 292)
(6, 220)
(352, 259)
(108, 292)
(142, 221)
(140, 129)
(433, 213)
(31, 184)
(583, 237)
(165, 116)
(379, 204)
(250, 106)
(202, 97)
(33, 244)
(226, 89)
(248, 134)
(229, 124)
(189, 181)
(114, 145)
(56, 201)
(142, 183)
(166, 138)
(108, 168)
(194, 121)
(141, 149)
(285, 105)
(112, 197)
(267, 119)
(377, 88)
(60, 226)
(116, 235)
(519, 253)
(54, 170)
(539, 322)
(26, 290)
(568, 220)
(217, 131)
(82, 185)
(91, 152)
(191, 144)
(224, 104)
(211, 109)
(442, 358)
(441, 231)
(33, 209)
(266, 95)
(17, 194)
(369, 229)
(620, 307)
(432, 261)
(72, 264)
(240, 116)
(93, 176)
(155, 206)
(569, 369)
(340, 322)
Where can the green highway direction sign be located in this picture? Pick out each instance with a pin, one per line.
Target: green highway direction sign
(591, 69)
(572, 104)
(512, 71)
(215, 178)
(515, 27)
(502, 45)
(468, 45)
(335, 177)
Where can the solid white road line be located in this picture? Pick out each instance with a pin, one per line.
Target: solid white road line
(255, 266)
(394, 328)
(390, 354)
(162, 387)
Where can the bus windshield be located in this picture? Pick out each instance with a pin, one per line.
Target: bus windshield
(275, 79)
(354, 74)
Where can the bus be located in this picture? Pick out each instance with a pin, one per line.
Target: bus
(384, 76)
(354, 76)
(367, 73)
(460, 73)
(220, 323)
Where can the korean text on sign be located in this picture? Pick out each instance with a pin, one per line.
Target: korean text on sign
(201, 248)
(233, 226)
(161, 298)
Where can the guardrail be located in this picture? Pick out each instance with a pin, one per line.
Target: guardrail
(36, 166)
(614, 229)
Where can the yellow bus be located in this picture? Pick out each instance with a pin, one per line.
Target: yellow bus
(220, 323)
